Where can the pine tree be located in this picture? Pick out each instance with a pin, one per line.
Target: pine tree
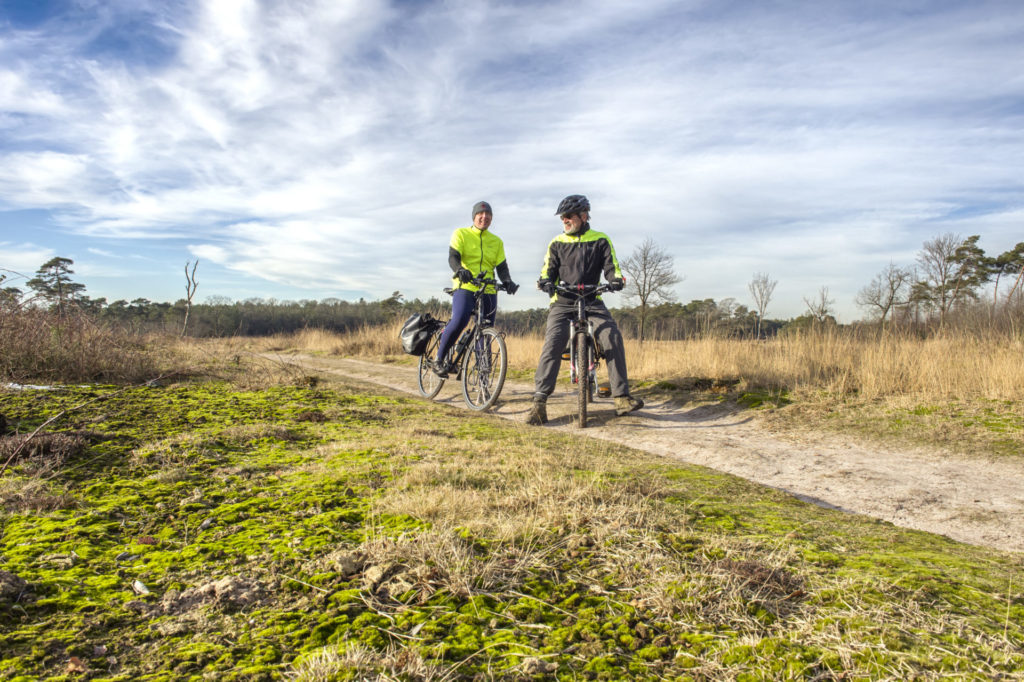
(53, 284)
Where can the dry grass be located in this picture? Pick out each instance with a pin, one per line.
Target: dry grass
(535, 508)
(503, 512)
(942, 367)
(378, 342)
(40, 346)
(394, 663)
(837, 362)
(33, 494)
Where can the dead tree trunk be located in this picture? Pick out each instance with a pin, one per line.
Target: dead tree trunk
(190, 290)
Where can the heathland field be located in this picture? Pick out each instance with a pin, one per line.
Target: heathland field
(240, 519)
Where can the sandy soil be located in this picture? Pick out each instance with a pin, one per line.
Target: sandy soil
(974, 501)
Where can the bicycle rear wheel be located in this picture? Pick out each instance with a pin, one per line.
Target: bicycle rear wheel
(584, 377)
(484, 372)
(430, 384)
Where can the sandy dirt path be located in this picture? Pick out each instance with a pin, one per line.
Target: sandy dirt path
(976, 501)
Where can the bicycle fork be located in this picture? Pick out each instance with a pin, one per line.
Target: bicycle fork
(574, 360)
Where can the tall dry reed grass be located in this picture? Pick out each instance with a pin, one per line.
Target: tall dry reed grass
(953, 364)
(43, 346)
(375, 342)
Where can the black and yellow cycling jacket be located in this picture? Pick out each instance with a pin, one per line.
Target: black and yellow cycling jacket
(478, 251)
(580, 258)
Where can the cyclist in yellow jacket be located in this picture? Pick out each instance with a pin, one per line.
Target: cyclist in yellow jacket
(472, 250)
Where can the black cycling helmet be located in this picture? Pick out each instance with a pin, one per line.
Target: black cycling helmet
(574, 203)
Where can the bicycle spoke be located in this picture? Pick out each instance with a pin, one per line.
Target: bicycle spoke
(429, 383)
(486, 365)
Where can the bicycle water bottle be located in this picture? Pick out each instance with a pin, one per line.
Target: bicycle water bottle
(460, 347)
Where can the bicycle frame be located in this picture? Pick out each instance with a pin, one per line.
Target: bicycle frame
(470, 335)
(478, 357)
(583, 340)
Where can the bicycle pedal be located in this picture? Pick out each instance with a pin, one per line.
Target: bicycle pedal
(565, 355)
(604, 391)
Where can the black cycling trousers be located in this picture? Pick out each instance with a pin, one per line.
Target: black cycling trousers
(556, 339)
(462, 312)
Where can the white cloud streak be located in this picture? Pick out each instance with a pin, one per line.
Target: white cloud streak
(328, 144)
(20, 262)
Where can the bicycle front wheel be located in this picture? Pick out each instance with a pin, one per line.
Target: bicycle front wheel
(484, 372)
(430, 384)
(584, 363)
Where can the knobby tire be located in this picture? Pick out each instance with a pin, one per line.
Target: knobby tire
(583, 376)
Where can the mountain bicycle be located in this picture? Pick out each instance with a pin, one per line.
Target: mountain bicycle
(483, 349)
(584, 350)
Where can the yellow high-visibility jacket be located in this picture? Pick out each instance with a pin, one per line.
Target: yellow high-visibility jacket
(478, 251)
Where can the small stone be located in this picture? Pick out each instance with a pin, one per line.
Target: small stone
(348, 563)
(11, 586)
(535, 666)
(373, 575)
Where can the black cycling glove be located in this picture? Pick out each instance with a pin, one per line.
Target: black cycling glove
(511, 287)
(616, 283)
(546, 285)
(464, 275)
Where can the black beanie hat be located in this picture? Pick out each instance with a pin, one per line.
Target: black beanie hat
(481, 206)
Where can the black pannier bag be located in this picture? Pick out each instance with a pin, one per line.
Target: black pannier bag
(416, 332)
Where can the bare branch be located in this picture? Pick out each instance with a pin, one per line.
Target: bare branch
(761, 288)
(820, 307)
(884, 292)
(649, 277)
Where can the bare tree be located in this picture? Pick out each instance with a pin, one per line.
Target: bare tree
(649, 278)
(885, 290)
(761, 288)
(939, 270)
(820, 307)
(190, 290)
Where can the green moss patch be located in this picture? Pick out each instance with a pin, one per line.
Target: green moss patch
(203, 531)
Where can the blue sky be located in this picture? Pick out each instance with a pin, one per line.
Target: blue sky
(319, 148)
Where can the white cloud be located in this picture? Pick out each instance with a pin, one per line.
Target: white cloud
(328, 145)
(17, 96)
(42, 179)
(20, 261)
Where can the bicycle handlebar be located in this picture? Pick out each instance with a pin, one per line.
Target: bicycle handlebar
(482, 282)
(582, 290)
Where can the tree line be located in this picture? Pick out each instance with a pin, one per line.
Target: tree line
(54, 288)
(948, 276)
(947, 281)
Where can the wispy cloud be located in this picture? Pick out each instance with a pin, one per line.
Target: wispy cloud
(19, 262)
(334, 146)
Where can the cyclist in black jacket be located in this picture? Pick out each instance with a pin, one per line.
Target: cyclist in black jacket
(579, 255)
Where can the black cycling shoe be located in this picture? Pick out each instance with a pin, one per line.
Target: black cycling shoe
(441, 368)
